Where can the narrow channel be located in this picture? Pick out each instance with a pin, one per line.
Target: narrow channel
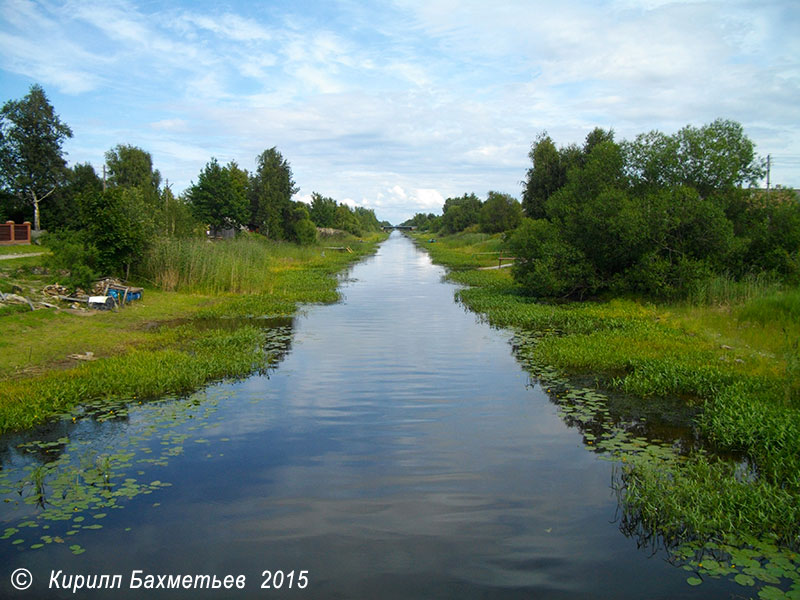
(398, 450)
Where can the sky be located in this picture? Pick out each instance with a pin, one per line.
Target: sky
(398, 105)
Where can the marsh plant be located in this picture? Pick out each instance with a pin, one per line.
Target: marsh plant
(85, 477)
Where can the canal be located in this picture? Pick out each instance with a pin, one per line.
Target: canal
(396, 450)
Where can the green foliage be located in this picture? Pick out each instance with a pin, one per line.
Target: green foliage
(774, 306)
(63, 210)
(131, 167)
(424, 222)
(270, 194)
(500, 212)
(196, 265)
(658, 216)
(366, 217)
(323, 210)
(711, 158)
(544, 178)
(305, 232)
(346, 220)
(73, 252)
(546, 265)
(768, 229)
(176, 218)
(219, 196)
(32, 165)
(551, 167)
(326, 212)
(119, 224)
(460, 213)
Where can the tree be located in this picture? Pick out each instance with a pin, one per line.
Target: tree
(367, 218)
(544, 178)
(130, 166)
(547, 264)
(500, 212)
(303, 230)
(424, 222)
(460, 213)
(323, 210)
(64, 207)
(654, 216)
(32, 161)
(177, 219)
(347, 220)
(597, 136)
(271, 191)
(218, 198)
(119, 224)
(711, 159)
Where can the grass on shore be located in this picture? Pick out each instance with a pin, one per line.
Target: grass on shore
(170, 342)
(734, 357)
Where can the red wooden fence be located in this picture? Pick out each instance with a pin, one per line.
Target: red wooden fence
(13, 233)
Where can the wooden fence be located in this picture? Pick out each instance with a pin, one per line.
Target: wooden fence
(13, 233)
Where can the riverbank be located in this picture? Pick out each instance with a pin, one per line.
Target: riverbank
(735, 363)
(211, 325)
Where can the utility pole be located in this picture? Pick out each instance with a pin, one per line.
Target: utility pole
(104, 177)
(167, 193)
(768, 165)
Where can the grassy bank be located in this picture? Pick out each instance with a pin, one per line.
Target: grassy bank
(731, 357)
(201, 319)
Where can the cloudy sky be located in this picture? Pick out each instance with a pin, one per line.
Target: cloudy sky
(398, 104)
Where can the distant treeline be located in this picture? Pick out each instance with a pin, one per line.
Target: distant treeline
(655, 216)
(104, 225)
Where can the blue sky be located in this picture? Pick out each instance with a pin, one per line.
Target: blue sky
(397, 105)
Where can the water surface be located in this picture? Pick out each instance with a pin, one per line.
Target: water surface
(398, 451)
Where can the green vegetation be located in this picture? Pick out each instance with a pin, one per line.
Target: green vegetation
(733, 362)
(169, 342)
(658, 216)
(75, 483)
(31, 161)
(203, 313)
(500, 212)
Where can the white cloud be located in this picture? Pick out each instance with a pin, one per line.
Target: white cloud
(230, 26)
(176, 125)
(429, 199)
(407, 103)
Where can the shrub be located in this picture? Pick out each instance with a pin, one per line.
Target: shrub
(547, 265)
(74, 253)
(305, 232)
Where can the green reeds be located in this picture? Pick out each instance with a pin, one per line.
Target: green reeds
(200, 266)
(725, 290)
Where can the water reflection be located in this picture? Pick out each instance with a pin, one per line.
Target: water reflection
(397, 452)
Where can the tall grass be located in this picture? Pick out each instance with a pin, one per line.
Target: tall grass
(780, 306)
(725, 290)
(245, 265)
